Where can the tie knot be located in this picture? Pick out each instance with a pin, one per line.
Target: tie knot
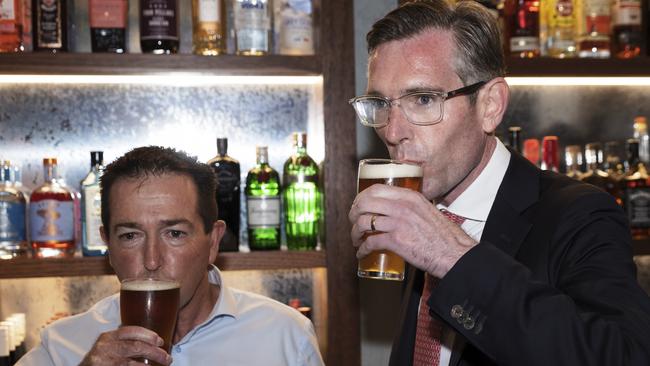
(456, 219)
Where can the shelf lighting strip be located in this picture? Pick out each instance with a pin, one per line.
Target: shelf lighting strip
(167, 79)
(579, 81)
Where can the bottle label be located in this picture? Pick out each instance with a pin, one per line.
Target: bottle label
(158, 20)
(252, 24)
(12, 221)
(263, 211)
(52, 220)
(209, 11)
(638, 207)
(7, 11)
(518, 44)
(228, 182)
(108, 13)
(293, 27)
(627, 12)
(92, 217)
(49, 24)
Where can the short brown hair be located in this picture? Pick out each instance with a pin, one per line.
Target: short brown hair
(479, 54)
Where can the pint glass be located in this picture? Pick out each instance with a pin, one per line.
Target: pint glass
(384, 264)
(153, 304)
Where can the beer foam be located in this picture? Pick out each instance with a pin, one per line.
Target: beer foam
(146, 285)
(393, 170)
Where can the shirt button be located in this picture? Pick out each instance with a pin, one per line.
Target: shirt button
(456, 311)
(177, 349)
(469, 323)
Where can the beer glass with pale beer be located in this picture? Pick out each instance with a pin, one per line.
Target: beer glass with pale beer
(151, 303)
(384, 264)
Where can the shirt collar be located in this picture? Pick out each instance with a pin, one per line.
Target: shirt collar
(226, 303)
(476, 201)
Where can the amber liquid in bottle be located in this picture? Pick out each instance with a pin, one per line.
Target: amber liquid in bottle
(52, 216)
(11, 26)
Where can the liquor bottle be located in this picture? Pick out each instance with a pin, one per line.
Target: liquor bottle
(52, 217)
(9, 328)
(293, 27)
(301, 196)
(531, 150)
(5, 360)
(13, 209)
(598, 177)
(514, 138)
(228, 194)
(19, 320)
(11, 26)
(252, 27)
(49, 19)
(159, 26)
(561, 28)
(573, 160)
(263, 204)
(521, 19)
(209, 27)
(91, 208)
(627, 36)
(594, 29)
(550, 154)
(637, 192)
(108, 19)
(641, 133)
(613, 163)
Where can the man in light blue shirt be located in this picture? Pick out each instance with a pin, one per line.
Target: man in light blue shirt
(159, 218)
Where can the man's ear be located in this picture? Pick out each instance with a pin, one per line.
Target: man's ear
(218, 230)
(492, 103)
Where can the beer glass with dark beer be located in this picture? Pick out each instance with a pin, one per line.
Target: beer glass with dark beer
(153, 304)
(384, 264)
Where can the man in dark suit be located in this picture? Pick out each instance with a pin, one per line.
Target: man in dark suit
(510, 265)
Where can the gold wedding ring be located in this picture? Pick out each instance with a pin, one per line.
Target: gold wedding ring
(372, 222)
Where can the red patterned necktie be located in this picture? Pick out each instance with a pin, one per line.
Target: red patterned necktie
(429, 330)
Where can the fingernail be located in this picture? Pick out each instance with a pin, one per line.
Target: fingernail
(160, 342)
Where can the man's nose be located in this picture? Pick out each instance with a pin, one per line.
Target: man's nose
(153, 254)
(398, 125)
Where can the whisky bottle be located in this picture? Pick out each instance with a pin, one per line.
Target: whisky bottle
(598, 177)
(293, 27)
(594, 29)
(11, 26)
(637, 193)
(228, 194)
(263, 204)
(13, 210)
(627, 35)
(561, 28)
(641, 133)
(301, 196)
(522, 28)
(550, 154)
(49, 19)
(52, 217)
(514, 138)
(613, 163)
(252, 27)
(209, 27)
(108, 19)
(91, 208)
(159, 26)
(573, 160)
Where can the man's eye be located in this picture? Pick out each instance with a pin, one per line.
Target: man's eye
(127, 236)
(177, 234)
(377, 103)
(424, 99)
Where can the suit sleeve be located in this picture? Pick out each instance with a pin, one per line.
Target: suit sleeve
(586, 309)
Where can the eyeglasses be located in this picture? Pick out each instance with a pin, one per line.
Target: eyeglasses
(420, 108)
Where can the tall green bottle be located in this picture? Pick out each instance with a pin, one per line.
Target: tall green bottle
(301, 196)
(263, 204)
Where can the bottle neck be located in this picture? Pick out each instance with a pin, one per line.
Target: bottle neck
(50, 173)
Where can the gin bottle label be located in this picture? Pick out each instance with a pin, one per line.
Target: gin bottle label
(263, 212)
(52, 220)
(12, 222)
(92, 218)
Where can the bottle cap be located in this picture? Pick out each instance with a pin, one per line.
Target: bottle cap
(96, 158)
(49, 161)
(4, 341)
(222, 145)
(573, 155)
(299, 139)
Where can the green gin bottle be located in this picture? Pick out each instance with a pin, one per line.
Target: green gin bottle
(263, 204)
(301, 196)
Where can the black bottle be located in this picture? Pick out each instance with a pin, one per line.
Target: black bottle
(50, 23)
(159, 26)
(228, 194)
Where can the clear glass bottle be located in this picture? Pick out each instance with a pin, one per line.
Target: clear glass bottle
(613, 162)
(91, 208)
(52, 216)
(594, 29)
(263, 204)
(301, 196)
(627, 33)
(228, 175)
(11, 25)
(293, 27)
(13, 211)
(252, 27)
(561, 28)
(637, 192)
(209, 27)
(641, 133)
(573, 160)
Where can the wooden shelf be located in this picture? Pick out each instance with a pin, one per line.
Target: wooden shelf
(96, 266)
(544, 66)
(147, 64)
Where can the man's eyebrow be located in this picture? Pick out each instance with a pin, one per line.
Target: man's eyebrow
(128, 225)
(418, 89)
(173, 222)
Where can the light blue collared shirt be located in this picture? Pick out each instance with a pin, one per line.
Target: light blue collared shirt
(242, 329)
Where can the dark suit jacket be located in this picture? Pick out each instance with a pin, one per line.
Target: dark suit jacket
(551, 283)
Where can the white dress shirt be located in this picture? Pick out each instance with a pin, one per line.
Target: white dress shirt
(242, 329)
(474, 204)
